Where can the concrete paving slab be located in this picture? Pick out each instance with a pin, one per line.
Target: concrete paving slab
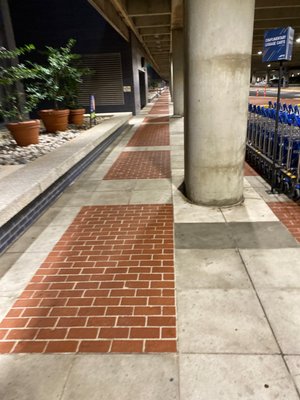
(5, 304)
(250, 193)
(151, 197)
(220, 269)
(26, 239)
(255, 182)
(192, 213)
(147, 148)
(223, 321)
(33, 377)
(203, 236)
(235, 377)
(94, 198)
(283, 310)
(176, 140)
(5, 170)
(246, 183)
(64, 217)
(262, 235)
(18, 276)
(252, 210)
(6, 262)
(109, 197)
(276, 268)
(48, 216)
(115, 185)
(48, 238)
(178, 172)
(126, 377)
(293, 363)
(153, 184)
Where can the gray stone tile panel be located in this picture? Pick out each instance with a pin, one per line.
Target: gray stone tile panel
(293, 363)
(218, 269)
(235, 377)
(262, 235)
(203, 236)
(246, 235)
(283, 310)
(33, 376)
(273, 268)
(126, 377)
(223, 321)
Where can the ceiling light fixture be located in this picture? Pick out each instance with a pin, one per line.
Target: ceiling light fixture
(259, 52)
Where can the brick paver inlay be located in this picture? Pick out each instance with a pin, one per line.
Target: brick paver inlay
(141, 165)
(156, 119)
(159, 109)
(107, 286)
(151, 135)
(289, 214)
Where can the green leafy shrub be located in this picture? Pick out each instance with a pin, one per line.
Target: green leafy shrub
(59, 79)
(16, 101)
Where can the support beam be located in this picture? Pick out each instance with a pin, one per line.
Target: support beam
(218, 53)
(119, 6)
(109, 13)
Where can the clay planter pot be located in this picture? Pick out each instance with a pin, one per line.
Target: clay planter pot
(55, 120)
(25, 132)
(76, 117)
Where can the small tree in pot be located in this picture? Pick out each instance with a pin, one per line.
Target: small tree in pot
(15, 104)
(71, 85)
(52, 85)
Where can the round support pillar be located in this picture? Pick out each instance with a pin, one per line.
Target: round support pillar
(218, 45)
(178, 76)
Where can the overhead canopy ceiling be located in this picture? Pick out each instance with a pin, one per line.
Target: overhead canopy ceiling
(153, 20)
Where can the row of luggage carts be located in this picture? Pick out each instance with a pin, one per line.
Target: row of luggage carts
(278, 161)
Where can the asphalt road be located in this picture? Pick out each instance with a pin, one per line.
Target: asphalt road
(290, 93)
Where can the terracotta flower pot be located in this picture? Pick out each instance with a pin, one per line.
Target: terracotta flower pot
(25, 132)
(76, 117)
(55, 120)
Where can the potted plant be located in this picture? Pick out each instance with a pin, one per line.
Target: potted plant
(71, 85)
(17, 101)
(51, 85)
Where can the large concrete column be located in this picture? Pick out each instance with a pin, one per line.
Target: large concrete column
(217, 73)
(178, 76)
(171, 77)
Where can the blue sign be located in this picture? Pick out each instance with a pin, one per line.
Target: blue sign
(278, 44)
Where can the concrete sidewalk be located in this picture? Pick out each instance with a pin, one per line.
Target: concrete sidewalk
(92, 282)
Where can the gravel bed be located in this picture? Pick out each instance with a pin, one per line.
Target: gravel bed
(12, 154)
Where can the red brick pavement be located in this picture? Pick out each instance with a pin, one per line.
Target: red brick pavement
(159, 109)
(107, 286)
(156, 119)
(151, 135)
(289, 214)
(141, 165)
(249, 171)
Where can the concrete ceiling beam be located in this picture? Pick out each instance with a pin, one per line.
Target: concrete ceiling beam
(162, 20)
(138, 8)
(119, 6)
(155, 31)
(270, 24)
(177, 14)
(277, 13)
(108, 12)
(271, 4)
